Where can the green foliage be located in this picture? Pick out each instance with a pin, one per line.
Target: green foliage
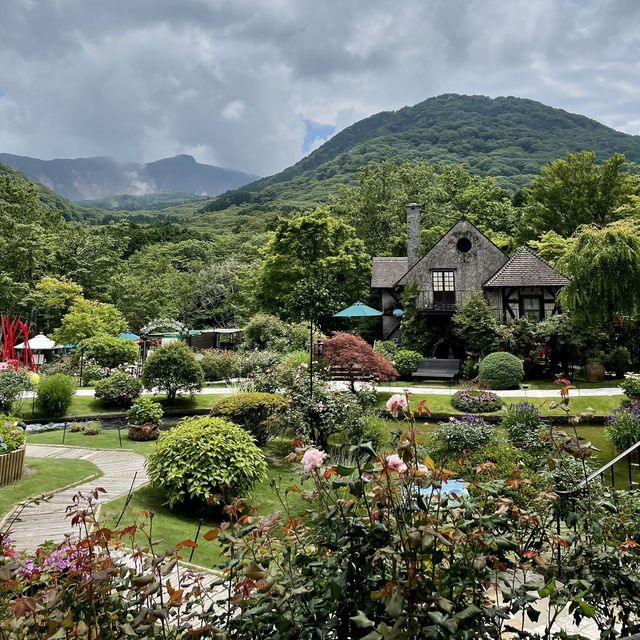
(416, 333)
(313, 266)
(88, 318)
(55, 394)
(475, 401)
(501, 370)
(173, 368)
(52, 298)
(459, 436)
(475, 323)
(386, 348)
(406, 362)
(518, 338)
(623, 427)
(92, 428)
(259, 413)
(618, 360)
(12, 436)
(119, 389)
(371, 428)
(91, 373)
(13, 383)
(631, 385)
(110, 352)
(144, 411)
(265, 331)
(219, 364)
(551, 246)
(604, 267)
(289, 367)
(251, 363)
(202, 457)
(524, 426)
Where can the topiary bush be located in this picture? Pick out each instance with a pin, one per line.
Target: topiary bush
(203, 457)
(258, 413)
(459, 436)
(406, 362)
(119, 389)
(219, 364)
(371, 428)
(501, 370)
(476, 401)
(55, 394)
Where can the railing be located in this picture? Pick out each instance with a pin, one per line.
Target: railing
(447, 307)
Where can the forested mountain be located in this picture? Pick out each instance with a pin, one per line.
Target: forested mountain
(509, 138)
(95, 178)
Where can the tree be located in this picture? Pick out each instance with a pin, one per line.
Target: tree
(576, 191)
(173, 368)
(604, 267)
(88, 318)
(51, 299)
(353, 354)
(110, 352)
(475, 323)
(551, 246)
(313, 266)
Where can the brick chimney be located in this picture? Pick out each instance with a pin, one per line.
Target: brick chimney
(413, 233)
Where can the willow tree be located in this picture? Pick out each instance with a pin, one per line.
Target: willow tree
(604, 267)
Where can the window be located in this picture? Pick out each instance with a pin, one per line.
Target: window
(444, 287)
(463, 245)
(531, 308)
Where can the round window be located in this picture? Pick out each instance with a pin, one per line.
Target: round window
(463, 245)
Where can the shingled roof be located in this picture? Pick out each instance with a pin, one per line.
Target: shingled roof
(526, 269)
(385, 272)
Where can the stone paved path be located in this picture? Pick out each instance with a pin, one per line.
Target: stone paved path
(48, 521)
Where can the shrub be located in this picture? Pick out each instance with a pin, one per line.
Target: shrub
(373, 429)
(76, 427)
(501, 370)
(618, 360)
(386, 348)
(119, 389)
(202, 457)
(475, 323)
(12, 436)
(289, 367)
(92, 428)
(145, 410)
(91, 373)
(173, 368)
(631, 385)
(469, 368)
(55, 394)
(460, 435)
(13, 383)
(476, 401)
(110, 352)
(523, 424)
(219, 364)
(255, 412)
(251, 363)
(266, 332)
(623, 427)
(406, 362)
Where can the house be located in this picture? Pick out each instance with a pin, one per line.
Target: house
(464, 260)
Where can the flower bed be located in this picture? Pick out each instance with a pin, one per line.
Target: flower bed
(476, 401)
(12, 441)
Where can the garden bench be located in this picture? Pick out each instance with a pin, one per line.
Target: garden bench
(438, 369)
(349, 373)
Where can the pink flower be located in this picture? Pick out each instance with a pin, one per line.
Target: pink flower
(395, 463)
(396, 403)
(312, 459)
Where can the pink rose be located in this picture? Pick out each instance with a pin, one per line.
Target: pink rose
(395, 463)
(396, 403)
(312, 459)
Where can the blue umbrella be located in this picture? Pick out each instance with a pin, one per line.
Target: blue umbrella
(358, 310)
(127, 335)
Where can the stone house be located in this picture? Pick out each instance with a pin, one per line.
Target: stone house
(464, 260)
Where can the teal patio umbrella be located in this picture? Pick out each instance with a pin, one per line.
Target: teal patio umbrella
(358, 310)
(128, 335)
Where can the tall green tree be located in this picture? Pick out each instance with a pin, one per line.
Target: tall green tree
(604, 267)
(88, 318)
(313, 265)
(575, 191)
(50, 300)
(475, 323)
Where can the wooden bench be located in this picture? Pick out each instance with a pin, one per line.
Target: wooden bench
(438, 369)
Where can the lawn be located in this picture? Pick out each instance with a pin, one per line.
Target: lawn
(106, 439)
(44, 475)
(532, 384)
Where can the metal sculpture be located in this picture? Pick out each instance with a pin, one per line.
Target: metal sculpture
(15, 330)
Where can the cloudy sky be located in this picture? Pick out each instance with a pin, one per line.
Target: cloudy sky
(256, 84)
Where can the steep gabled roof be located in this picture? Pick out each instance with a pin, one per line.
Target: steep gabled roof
(526, 269)
(385, 272)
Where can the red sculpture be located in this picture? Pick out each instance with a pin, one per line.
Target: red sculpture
(14, 331)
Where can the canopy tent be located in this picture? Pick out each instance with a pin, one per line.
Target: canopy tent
(128, 335)
(358, 310)
(39, 343)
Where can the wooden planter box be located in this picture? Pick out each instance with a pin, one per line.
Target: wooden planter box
(11, 466)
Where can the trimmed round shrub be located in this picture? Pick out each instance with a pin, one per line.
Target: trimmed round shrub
(219, 364)
(92, 428)
(501, 370)
(406, 362)
(119, 389)
(204, 457)
(255, 412)
(476, 401)
(460, 435)
(55, 394)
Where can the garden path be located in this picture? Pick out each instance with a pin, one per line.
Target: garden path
(47, 520)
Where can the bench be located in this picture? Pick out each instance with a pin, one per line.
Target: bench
(438, 369)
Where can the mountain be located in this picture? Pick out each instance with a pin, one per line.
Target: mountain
(510, 138)
(96, 178)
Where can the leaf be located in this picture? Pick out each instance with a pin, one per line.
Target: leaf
(587, 609)
(343, 470)
(394, 605)
(361, 621)
(211, 534)
(187, 543)
(548, 589)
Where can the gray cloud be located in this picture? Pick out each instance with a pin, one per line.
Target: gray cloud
(235, 83)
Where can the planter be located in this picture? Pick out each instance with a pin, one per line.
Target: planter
(593, 372)
(147, 431)
(11, 466)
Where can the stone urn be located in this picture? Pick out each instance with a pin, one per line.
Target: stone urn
(146, 431)
(593, 372)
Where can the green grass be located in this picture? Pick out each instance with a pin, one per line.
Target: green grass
(533, 384)
(44, 475)
(106, 439)
(171, 526)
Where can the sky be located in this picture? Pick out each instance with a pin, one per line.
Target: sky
(257, 84)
